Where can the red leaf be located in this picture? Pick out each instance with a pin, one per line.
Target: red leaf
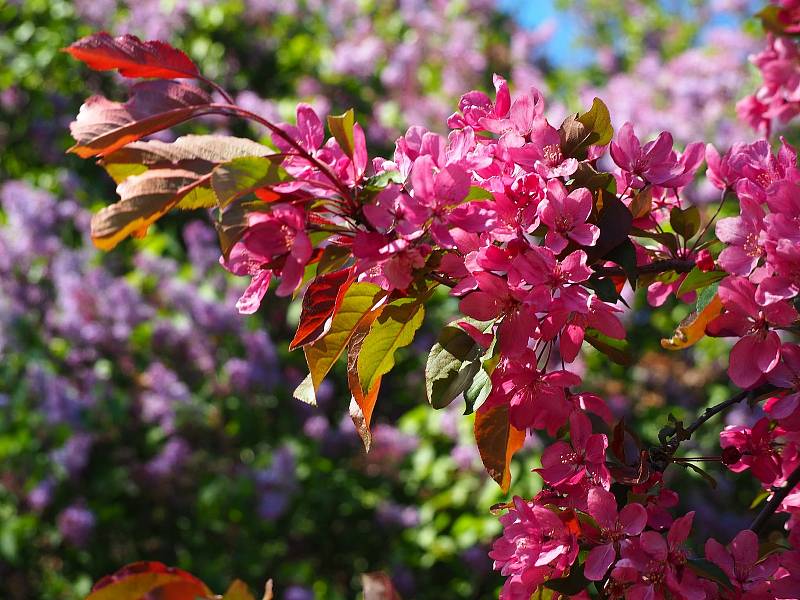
(361, 405)
(103, 126)
(497, 441)
(133, 57)
(152, 580)
(320, 302)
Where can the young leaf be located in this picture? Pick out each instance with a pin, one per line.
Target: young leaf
(231, 223)
(359, 301)
(697, 279)
(598, 121)
(243, 175)
(642, 203)
(341, 127)
(143, 200)
(361, 404)
(685, 222)
(103, 126)
(693, 327)
(452, 364)
(203, 152)
(238, 590)
(132, 57)
(393, 329)
(141, 579)
(320, 302)
(497, 441)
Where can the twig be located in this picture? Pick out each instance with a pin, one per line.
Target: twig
(775, 501)
(722, 406)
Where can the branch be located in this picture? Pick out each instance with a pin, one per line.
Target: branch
(722, 406)
(774, 502)
(671, 440)
(678, 265)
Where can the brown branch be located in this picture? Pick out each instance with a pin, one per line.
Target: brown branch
(774, 502)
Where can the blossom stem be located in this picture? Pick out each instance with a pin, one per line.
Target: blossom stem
(711, 220)
(302, 152)
(779, 496)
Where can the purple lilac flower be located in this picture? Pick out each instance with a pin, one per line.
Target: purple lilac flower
(391, 514)
(169, 460)
(76, 524)
(74, 455)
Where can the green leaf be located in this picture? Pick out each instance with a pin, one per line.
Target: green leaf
(378, 182)
(760, 497)
(360, 299)
(452, 364)
(240, 176)
(478, 391)
(697, 279)
(685, 221)
(604, 287)
(598, 120)
(478, 193)
(394, 328)
(666, 239)
(578, 132)
(341, 127)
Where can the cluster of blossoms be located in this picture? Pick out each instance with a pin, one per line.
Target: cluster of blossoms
(778, 97)
(536, 238)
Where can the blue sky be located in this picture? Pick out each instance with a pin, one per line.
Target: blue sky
(531, 13)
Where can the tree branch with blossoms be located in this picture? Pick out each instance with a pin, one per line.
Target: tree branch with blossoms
(517, 219)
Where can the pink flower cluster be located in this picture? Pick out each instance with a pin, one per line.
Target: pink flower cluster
(508, 213)
(761, 254)
(778, 97)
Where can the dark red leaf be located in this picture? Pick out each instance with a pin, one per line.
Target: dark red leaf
(497, 441)
(133, 57)
(103, 126)
(320, 302)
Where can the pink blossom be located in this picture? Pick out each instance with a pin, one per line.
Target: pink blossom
(539, 267)
(654, 163)
(758, 350)
(614, 527)
(757, 447)
(581, 460)
(740, 562)
(741, 234)
(566, 215)
(535, 546)
(786, 375)
(536, 399)
(543, 153)
(494, 299)
(390, 263)
(475, 106)
(652, 568)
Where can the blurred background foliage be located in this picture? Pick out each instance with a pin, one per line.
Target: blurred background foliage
(141, 417)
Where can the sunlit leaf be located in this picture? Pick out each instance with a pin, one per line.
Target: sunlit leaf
(341, 127)
(143, 200)
(497, 442)
(697, 279)
(320, 302)
(132, 57)
(392, 330)
(693, 327)
(359, 301)
(452, 364)
(103, 126)
(243, 175)
(685, 221)
(238, 590)
(362, 403)
(137, 580)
